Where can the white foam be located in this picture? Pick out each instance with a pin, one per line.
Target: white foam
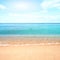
(4, 44)
(29, 44)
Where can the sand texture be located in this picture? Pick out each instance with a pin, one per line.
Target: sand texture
(18, 48)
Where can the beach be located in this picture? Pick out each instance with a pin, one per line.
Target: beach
(29, 48)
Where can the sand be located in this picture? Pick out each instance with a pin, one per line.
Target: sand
(29, 48)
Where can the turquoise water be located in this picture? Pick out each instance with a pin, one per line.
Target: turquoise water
(29, 29)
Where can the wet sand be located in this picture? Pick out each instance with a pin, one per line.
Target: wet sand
(29, 48)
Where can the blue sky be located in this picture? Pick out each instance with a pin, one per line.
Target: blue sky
(29, 11)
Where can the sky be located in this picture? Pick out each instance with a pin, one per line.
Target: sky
(29, 11)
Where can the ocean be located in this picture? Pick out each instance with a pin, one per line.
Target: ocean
(29, 29)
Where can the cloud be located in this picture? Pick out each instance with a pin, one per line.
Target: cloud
(33, 18)
(57, 6)
(29, 11)
(2, 7)
(26, 16)
(30, 18)
(50, 4)
(21, 6)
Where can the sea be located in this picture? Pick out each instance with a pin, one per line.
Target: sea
(29, 29)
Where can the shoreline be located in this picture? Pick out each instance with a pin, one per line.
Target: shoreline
(28, 40)
(37, 35)
(42, 44)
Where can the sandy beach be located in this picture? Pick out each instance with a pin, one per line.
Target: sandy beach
(29, 48)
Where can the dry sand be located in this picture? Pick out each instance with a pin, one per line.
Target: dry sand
(29, 48)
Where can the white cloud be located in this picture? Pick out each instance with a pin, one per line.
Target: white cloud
(28, 15)
(49, 4)
(2, 7)
(57, 6)
(31, 18)
(21, 6)
(28, 18)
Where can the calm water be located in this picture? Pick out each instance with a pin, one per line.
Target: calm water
(30, 29)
